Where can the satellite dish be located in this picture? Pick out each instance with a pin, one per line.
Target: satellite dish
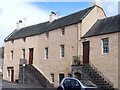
(97, 2)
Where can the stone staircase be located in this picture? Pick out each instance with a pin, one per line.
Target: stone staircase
(90, 72)
(38, 76)
(30, 75)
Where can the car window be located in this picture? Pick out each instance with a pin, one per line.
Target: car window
(71, 82)
(87, 83)
(75, 83)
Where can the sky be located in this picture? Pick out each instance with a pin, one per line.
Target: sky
(37, 11)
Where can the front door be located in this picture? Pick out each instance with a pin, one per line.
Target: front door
(12, 75)
(31, 55)
(86, 50)
(61, 76)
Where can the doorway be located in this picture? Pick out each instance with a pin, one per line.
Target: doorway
(61, 76)
(86, 52)
(10, 73)
(31, 50)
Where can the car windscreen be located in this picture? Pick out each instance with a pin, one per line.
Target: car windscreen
(87, 83)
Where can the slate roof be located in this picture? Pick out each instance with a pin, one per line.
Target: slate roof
(48, 26)
(104, 26)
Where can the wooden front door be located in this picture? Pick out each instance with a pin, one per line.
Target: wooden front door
(31, 55)
(12, 75)
(86, 50)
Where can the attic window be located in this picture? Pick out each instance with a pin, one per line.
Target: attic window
(24, 39)
(62, 31)
(12, 41)
(47, 35)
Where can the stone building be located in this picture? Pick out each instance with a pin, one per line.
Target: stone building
(52, 47)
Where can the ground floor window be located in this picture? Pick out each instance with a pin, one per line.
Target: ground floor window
(52, 77)
(61, 76)
(10, 73)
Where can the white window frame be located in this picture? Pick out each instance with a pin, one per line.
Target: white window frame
(47, 35)
(23, 53)
(11, 55)
(8, 72)
(105, 46)
(63, 31)
(46, 53)
(62, 51)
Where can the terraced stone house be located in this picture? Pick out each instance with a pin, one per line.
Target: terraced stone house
(63, 47)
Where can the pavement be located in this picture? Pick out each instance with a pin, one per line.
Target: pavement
(6, 85)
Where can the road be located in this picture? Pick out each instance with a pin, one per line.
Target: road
(6, 85)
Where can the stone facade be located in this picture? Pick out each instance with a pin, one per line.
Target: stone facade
(106, 63)
(54, 64)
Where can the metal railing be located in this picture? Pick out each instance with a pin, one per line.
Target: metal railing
(23, 61)
(76, 60)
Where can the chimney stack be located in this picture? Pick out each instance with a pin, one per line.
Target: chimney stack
(97, 2)
(52, 16)
(20, 24)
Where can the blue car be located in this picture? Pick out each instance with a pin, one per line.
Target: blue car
(75, 84)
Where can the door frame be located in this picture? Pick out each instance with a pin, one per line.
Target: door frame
(86, 52)
(31, 50)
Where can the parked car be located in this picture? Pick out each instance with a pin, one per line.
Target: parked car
(75, 84)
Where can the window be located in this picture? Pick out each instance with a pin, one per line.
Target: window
(52, 77)
(12, 41)
(23, 53)
(11, 55)
(62, 51)
(24, 39)
(105, 45)
(62, 31)
(47, 35)
(8, 72)
(46, 53)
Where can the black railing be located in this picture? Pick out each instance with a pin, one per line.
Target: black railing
(76, 60)
(23, 61)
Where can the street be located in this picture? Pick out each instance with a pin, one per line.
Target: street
(6, 85)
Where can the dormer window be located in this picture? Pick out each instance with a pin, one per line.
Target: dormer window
(62, 31)
(47, 35)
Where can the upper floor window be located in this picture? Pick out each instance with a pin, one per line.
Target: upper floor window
(47, 35)
(62, 31)
(105, 45)
(46, 53)
(62, 51)
(24, 39)
(23, 53)
(12, 41)
(11, 55)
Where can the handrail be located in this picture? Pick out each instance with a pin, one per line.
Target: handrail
(101, 74)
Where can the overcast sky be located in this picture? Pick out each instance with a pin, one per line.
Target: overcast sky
(38, 11)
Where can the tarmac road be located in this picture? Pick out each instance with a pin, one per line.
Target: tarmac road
(6, 85)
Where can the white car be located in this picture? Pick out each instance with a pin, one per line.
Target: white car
(75, 84)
